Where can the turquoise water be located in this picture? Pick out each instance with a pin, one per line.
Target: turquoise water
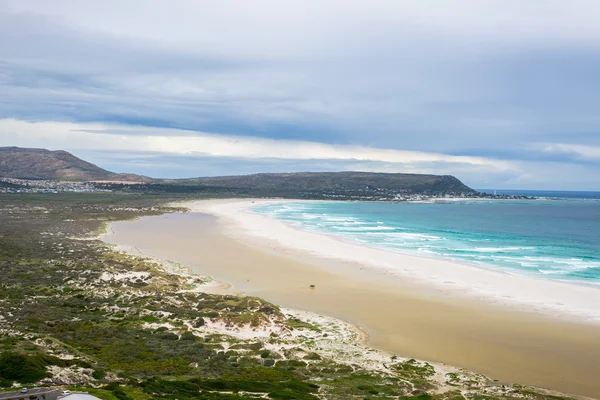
(547, 239)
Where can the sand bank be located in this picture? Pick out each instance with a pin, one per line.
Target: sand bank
(401, 311)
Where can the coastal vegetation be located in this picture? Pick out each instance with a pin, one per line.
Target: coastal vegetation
(75, 312)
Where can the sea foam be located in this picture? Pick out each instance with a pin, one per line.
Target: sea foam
(544, 239)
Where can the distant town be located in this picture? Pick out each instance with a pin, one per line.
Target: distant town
(13, 185)
(369, 193)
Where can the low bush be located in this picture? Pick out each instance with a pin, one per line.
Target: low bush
(25, 368)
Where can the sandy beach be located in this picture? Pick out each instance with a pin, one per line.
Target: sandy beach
(510, 328)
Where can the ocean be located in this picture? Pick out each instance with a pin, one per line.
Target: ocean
(548, 194)
(555, 239)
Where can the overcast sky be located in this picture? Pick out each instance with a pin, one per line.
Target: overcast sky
(501, 94)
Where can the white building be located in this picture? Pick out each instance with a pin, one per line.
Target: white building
(78, 396)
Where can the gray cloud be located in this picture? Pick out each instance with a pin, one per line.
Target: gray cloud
(164, 152)
(469, 78)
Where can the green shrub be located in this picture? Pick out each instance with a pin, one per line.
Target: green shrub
(268, 362)
(5, 382)
(256, 380)
(169, 336)
(98, 374)
(24, 368)
(149, 318)
(291, 395)
(265, 354)
(313, 356)
(188, 336)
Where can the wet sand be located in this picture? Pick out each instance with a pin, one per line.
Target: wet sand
(400, 317)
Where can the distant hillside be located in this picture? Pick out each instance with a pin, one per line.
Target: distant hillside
(333, 182)
(18, 162)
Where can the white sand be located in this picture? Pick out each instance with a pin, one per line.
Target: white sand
(557, 299)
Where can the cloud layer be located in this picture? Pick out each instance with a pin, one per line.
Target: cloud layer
(478, 87)
(104, 137)
(167, 152)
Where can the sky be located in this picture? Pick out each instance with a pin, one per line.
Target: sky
(500, 94)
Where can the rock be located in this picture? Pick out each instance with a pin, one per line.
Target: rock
(312, 286)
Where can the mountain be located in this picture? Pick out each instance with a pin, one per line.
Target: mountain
(333, 182)
(18, 162)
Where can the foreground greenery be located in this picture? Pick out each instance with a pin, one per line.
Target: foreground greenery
(76, 313)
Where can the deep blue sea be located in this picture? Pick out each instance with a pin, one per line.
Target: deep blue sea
(548, 239)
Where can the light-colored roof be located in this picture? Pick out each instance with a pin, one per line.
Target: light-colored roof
(79, 396)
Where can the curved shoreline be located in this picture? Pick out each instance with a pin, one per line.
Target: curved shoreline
(557, 299)
(401, 316)
(412, 253)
